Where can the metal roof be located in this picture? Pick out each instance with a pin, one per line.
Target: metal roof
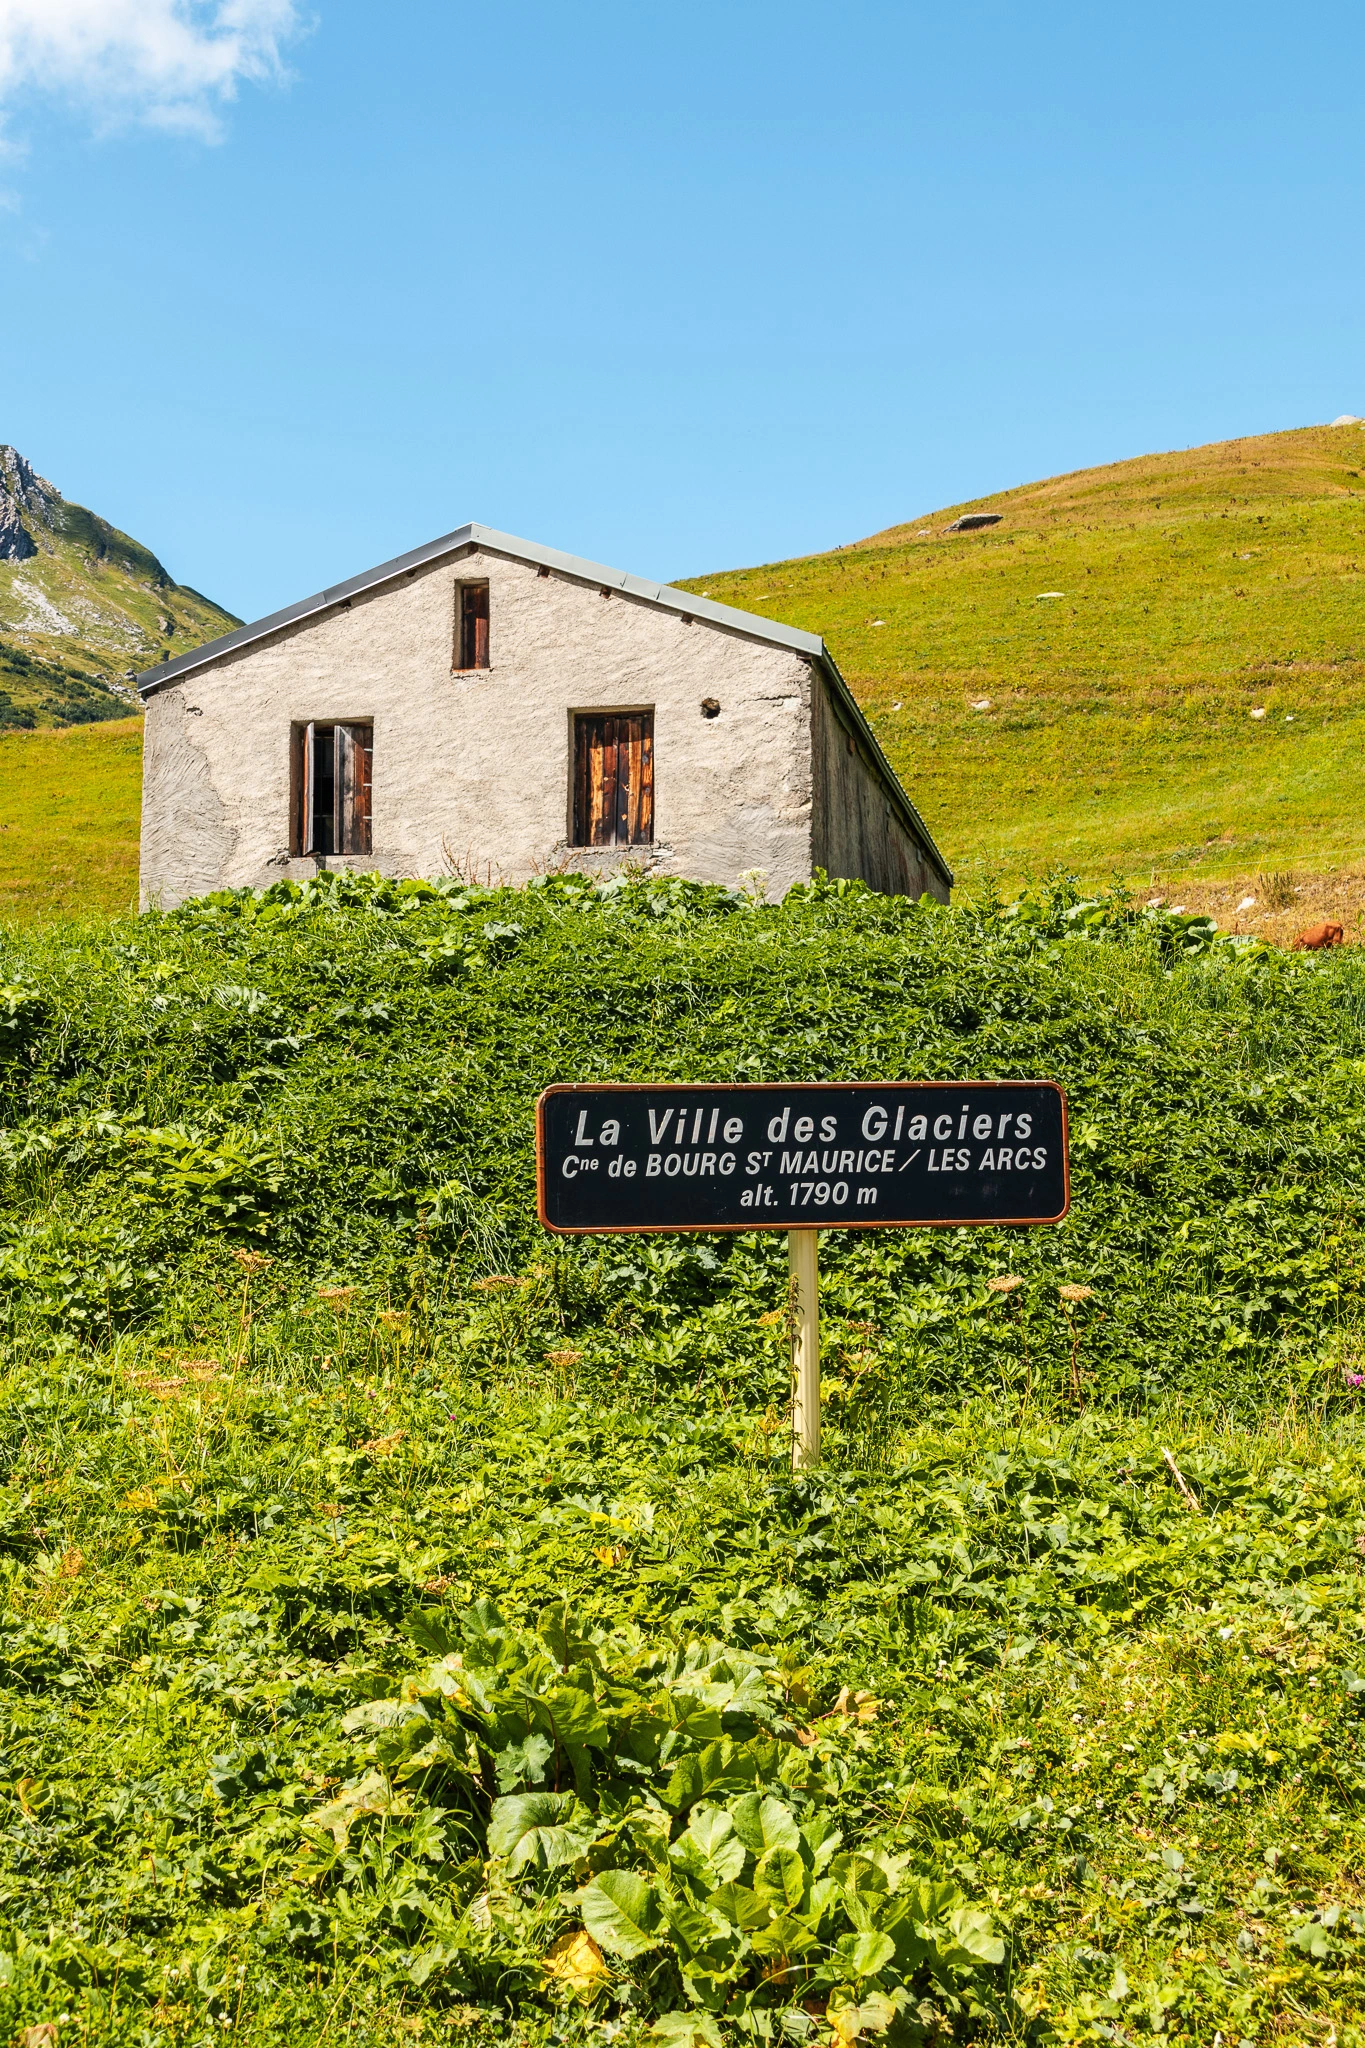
(684, 602)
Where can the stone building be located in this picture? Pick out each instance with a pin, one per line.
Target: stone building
(491, 707)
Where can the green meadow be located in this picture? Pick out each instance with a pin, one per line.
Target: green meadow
(1188, 590)
(70, 810)
(1117, 629)
(410, 1625)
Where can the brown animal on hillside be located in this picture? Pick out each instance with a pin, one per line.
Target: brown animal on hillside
(1317, 937)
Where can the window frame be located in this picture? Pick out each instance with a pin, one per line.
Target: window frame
(472, 627)
(587, 808)
(350, 825)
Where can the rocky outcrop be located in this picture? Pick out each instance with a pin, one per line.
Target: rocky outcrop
(27, 502)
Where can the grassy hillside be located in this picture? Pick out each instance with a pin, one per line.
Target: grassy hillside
(70, 806)
(1187, 591)
(1123, 623)
(82, 607)
(409, 1628)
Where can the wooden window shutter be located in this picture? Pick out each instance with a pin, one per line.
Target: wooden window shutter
(298, 789)
(472, 631)
(614, 779)
(308, 832)
(351, 788)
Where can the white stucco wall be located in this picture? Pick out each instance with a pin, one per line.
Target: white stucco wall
(472, 770)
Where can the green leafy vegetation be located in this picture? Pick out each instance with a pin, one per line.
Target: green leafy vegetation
(412, 1627)
(1073, 686)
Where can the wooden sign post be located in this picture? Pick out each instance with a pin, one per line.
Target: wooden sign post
(803, 1260)
(834, 1155)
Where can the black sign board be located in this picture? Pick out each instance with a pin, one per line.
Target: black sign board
(833, 1155)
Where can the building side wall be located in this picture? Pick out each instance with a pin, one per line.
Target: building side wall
(857, 828)
(472, 770)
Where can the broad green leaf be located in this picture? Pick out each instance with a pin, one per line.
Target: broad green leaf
(695, 1718)
(721, 1767)
(706, 1938)
(781, 1878)
(621, 1913)
(872, 2015)
(377, 1714)
(710, 1849)
(857, 1873)
(564, 1639)
(686, 2030)
(925, 1901)
(742, 1908)
(750, 1696)
(863, 1954)
(972, 1930)
(822, 1839)
(437, 1755)
(575, 1718)
(784, 1935)
(371, 1794)
(430, 1631)
(539, 1830)
(523, 1763)
(1312, 1937)
(484, 1634)
(763, 1823)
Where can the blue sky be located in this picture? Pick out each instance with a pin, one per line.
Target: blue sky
(676, 288)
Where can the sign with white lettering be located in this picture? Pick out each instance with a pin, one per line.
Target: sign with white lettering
(816, 1155)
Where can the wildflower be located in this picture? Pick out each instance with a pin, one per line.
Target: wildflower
(1004, 1283)
(1073, 1291)
(563, 1359)
(1355, 1379)
(337, 1294)
(252, 1262)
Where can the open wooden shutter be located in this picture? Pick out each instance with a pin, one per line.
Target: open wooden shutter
(308, 788)
(298, 776)
(635, 780)
(614, 779)
(351, 788)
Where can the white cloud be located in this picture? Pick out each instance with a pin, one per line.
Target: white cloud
(168, 63)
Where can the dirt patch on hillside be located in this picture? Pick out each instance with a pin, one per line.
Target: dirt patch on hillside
(1283, 905)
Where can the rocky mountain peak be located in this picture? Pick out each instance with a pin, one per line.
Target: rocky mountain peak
(82, 605)
(27, 500)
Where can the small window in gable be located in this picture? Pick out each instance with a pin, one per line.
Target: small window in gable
(471, 625)
(330, 796)
(613, 786)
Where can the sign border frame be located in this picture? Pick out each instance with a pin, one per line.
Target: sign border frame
(785, 1087)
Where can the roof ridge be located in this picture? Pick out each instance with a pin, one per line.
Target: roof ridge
(472, 534)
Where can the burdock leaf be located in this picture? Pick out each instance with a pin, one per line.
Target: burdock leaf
(864, 1953)
(621, 1913)
(539, 1830)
